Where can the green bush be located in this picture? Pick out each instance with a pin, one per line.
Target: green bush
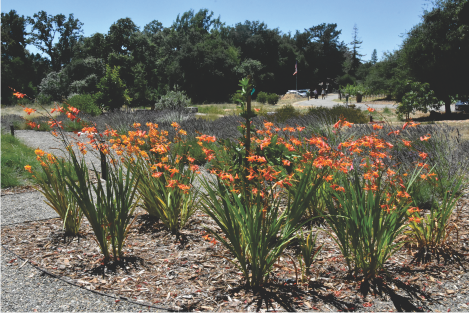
(113, 93)
(173, 100)
(272, 99)
(262, 97)
(44, 99)
(85, 103)
(352, 115)
(286, 112)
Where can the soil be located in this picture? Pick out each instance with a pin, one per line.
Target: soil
(191, 272)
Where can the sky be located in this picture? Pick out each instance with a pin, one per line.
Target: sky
(380, 23)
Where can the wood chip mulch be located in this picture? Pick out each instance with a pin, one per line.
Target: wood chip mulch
(190, 273)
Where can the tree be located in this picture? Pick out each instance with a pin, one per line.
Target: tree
(119, 36)
(374, 57)
(43, 36)
(328, 53)
(20, 69)
(436, 50)
(355, 56)
(112, 93)
(419, 97)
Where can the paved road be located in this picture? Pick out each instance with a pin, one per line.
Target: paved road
(329, 103)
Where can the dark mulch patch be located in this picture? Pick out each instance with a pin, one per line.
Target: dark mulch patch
(191, 273)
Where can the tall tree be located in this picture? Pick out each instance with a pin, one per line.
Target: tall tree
(374, 57)
(436, 50)
(356, 56)
(44, 30)
(20, 69)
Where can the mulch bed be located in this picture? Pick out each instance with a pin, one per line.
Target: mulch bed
(191, 273)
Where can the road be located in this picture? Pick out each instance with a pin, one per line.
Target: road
(329, 103)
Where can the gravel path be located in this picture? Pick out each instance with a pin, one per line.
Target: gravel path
(26, 288)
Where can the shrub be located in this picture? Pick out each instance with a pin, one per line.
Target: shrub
(44, 99)
(85, 103)
(262, 97)
(112, 90)
(286, 112)
(173, 100)
(272, 98)
(337, 112)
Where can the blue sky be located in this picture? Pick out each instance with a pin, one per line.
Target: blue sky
(380, 22)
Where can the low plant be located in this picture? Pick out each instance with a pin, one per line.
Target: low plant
(165, 179)
(308, 251)
(337, 112)
(272, 99)
(85, 103)
(108, 206)
(365, 223)
(14, 157)
(254, 228)
(284, 113)
(430, 232)
(54, 188)
(173, 100)
(262, 97)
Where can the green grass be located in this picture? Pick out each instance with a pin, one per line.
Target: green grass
(15, 155)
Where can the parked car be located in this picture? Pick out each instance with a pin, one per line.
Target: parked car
(462, 105)
(301, 92)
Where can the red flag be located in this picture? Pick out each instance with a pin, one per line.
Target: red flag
(296, 68)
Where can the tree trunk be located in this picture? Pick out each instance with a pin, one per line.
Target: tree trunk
(359, 98)
(448, 106)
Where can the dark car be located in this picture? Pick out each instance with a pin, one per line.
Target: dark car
(462, 105)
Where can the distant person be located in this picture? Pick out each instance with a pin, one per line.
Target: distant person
(315, 93)
(323, 93)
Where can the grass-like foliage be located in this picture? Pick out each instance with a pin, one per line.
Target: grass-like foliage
(108, 206)
(15, 156)
(53, 185)
(365, 223)
(255, 229)
(308, 250)
(165, 194)
(430, 232)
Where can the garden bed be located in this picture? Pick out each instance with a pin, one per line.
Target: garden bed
(189, 273)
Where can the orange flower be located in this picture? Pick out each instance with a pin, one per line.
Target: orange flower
(172, 183)
(29, 111)
(425, 138)
(28, 168)
(286, 162)
(423, 155)
(19, 95)
(175, 125)
(39, 152)
(257, 110)
(376, 126)
(406, 142)
(157, 174)
(371, 109)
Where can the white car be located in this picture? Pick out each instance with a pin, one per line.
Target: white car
(301, 93)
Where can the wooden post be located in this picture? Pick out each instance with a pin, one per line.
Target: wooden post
(371, 118)
(12, 129)
(103, 163)
(247, 142)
